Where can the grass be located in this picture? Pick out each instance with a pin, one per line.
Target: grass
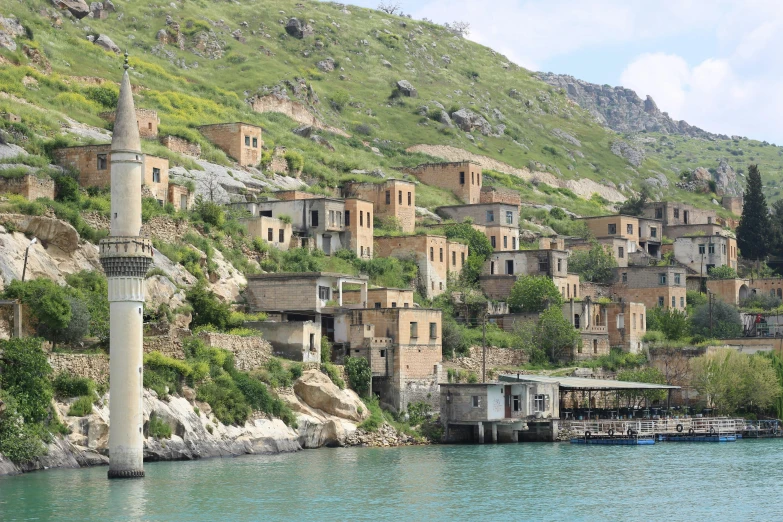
(81, 407)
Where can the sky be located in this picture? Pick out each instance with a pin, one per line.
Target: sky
(717, 64)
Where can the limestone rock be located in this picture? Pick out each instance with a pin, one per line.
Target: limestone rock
(326, 65)
(726, 181)
(304, 131)
(318, 391)
(47, 230)
(78, 8)
(634, 155)
(106, 42)
(405, 88)
(386, 63)
(467, 120)
(298, 29)
(563, 135)
(10, 28)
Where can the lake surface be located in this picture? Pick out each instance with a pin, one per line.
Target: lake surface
(742, 480)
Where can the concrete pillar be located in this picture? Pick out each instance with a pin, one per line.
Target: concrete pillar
(480, 428)
(514, 435)
(17, 331)
(340, 291)
(494, 432)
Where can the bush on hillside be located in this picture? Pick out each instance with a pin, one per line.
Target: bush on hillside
(357, 369)
(533, 294)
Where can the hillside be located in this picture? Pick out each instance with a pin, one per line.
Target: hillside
(199, 62)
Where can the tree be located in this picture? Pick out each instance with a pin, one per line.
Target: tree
(648, 375)
(389, 7)
(207, 308)
(357, 369)
(24, 374)
(754, 229)
(671, 322)
(479, 249)
(594, 265)
(555, 335)
(726, 322)
(533, 293)
(48, 303)
(722, 272)
(635, 206)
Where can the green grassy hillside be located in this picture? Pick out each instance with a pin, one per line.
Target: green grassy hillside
(234, 51)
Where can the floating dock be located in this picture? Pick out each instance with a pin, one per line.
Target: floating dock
(697, 437)
(615, 441)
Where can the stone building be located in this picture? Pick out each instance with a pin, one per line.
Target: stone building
(622, 249)
(291, 195)
(653, 286)
(462, 178)
(735, 291)
(627, 325)
(180, 196)
(146, 118)
(329, 224)
(393, 198)
(498, 221)
(502, 269)
(404, 347)
(436, 257)
(275, 232)
(701, 253)
(500, 195)
(733, 204)
(591, 320)
(294, 340)
(92, 163)
(705, 229)
(673, 213)
(29, 186)
(241, 141)
(641, 233)
(181, 146)
(381, 297)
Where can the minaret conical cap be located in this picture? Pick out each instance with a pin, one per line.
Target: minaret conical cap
(126, 128)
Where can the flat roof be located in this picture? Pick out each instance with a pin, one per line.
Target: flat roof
(479, 205)
(581, 383)
(230, 123)
(306, 275)
(622, 215)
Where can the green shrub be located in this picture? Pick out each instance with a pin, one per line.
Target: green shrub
(357, 369)
(24, 374)
(67, 385)
(158, 428)
(326, 350)
(654, 336)
(532, 293)
(338, 99)
(375, 420)
(81, 407)
(333, 373)
(294, 160)
(19, 440)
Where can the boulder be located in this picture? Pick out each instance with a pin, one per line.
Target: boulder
(405, 88)
(445, 119)
(467, 120)
(633, 155)
(47, 230)
(10, 28)
(318, 391)
(326, 65)
(386, 63)
(304, 131)
(106, 42)
(78, 8)
(298, 29)
(701, 174)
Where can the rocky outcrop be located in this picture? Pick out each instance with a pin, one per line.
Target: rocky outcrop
(10, 28)
(405, 88)
(317, 390)
(107, 43)
(326, 65)
(467, 120)
(298, 29)
(78, 8)
(47, 230)
(634, 155)
(621, 109)
(726, 181)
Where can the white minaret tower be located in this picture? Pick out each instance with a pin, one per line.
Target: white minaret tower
(126, 257)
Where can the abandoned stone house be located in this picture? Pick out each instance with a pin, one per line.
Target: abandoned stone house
(591, 320)
(147, 119)
(502, 269)
(241, 141)
(653, 286)
(404, 347)
(500, 195)
(181, 146)
(701, 253)
(381, 297)
(623, 250)
(498, 221)
(393, 198)
(462, 178)
(92, 162)
(495, 411)
(733, 204)
(276, 232)
(436, 257)
(704, 229)
(329, 224)
(627, 325)
(180, 196)
(673, 213)
(641, 233)
(29, 186)
(736, 290)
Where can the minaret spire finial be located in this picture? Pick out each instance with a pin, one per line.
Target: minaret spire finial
(126, 66)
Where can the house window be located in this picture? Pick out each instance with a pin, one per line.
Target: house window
(653, 232)
(620, 252)
(629, 229)
(414, 330)
(472, 178)
(490, 216)
(383, 353)
(324, 293)
(410, 197)
(539, 403)
(281, 235)
(441, 255)
(331, 217)
(658, 213)
(462, 258)
(476, 401)
(661, 301)
(247, 141)
(513, 243)
(433, 330)
(543, 264)
(432, 254)
(711, 249)
(724, 249)
(559, 265)
(440, 285)
(102, 161)
(394, 305)
(517, 402)
(269, 235)
(505, 241)
(625, 277)
(255, 143)
(509, 217)
(676, 213)
(388, 197)
(399, 197)
(491, 268)
(347, 218)
(492, 241)
(453, 259)
(160, 202)
(461, 178)
(676, 279)
(701, 248)
(369, 220)
(674, 302)
(377, 305)
(339, 218)
(682, 302)
(661, 279)
(361, 218)
(510, 266)
(633, 325)
(155, 175)
(314, 218)
(405, 305)
(612, 228)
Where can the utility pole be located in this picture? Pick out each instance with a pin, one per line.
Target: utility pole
(26, 252)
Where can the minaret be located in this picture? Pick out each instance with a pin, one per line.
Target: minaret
(126, 257)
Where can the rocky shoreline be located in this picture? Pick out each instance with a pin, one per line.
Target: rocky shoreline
(326, 417)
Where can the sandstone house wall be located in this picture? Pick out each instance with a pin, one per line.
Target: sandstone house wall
(181, 146)
(147, 119)
(30, 187)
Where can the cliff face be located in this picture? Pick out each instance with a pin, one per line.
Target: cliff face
(622, 109)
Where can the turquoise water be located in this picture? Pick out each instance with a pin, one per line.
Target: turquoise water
(732, 481)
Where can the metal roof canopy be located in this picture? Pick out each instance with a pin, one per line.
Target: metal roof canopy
(581, 383)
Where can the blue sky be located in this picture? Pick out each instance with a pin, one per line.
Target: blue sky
(717, 64)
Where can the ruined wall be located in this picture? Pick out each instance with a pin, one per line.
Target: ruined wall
(249, 352)
(496, 358)
(31, 187)
(181, 146)
(240, 141)
(147, 119)
(462, 178)
(499, 195)
(180, 197)
(295, 340)
(92, 366)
